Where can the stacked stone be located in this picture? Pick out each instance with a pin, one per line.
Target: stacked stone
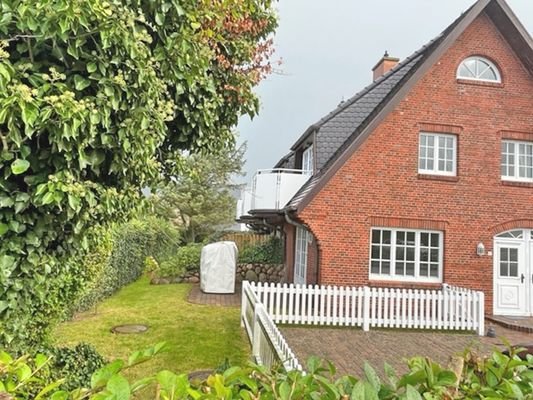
(274, 273)
(260, 273)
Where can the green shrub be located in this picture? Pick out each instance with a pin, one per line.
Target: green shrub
(76, 365)
(270, 252)
(186, 258)
(499, 376)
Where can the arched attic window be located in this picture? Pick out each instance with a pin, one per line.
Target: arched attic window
(477, 68)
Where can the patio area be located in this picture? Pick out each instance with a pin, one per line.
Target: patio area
(349, 348)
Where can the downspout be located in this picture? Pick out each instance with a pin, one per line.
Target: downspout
(297, 225)
(293, 222)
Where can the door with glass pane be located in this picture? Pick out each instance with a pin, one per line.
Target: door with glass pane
(512, 281)
(300, 257)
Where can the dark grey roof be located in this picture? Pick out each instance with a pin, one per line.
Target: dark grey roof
(336, 128)
(287, 161)
(343, 122)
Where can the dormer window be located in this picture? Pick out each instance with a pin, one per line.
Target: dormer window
(307, 161)
(478, 69)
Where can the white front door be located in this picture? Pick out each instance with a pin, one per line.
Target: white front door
(300, 257)
(513, 273)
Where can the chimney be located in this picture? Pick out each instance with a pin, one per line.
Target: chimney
(384, 65)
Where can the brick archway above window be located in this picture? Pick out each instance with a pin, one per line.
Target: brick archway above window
(409, 223)
(510, 225)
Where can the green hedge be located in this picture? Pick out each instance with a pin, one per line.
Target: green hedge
(499, 376)
(270, 252)
(120, 257)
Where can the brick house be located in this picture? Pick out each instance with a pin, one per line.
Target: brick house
(424, 177)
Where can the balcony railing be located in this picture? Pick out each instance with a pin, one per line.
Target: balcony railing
(271, 189)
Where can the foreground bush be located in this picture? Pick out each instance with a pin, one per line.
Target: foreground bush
(75, 365)
(499, 376)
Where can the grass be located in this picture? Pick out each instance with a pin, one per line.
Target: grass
(198, 337)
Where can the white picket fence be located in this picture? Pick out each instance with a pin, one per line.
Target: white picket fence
(452, 308)
(269, 347)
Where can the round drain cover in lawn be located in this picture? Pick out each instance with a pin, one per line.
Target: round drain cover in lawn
(201, 375)
(129, 328)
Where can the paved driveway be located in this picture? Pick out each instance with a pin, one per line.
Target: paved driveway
(349, 348)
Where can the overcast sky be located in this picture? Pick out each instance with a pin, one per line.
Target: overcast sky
(328, 48)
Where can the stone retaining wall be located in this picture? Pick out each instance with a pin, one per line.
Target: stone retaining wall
(251, 272)
(261, 273)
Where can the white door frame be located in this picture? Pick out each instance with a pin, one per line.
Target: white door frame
(300, 256)
(513, 295)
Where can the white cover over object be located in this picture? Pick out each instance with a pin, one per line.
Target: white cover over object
(217, 267)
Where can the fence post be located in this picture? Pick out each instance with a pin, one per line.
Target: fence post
(256, 336)
(243, 302)
(481, 314)
(366, 308)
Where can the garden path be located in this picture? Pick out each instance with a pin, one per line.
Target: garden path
(196, 296)
(349, 348)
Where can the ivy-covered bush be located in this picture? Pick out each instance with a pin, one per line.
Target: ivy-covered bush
(75, 365)
(185, 259)
(269, 252)
(120, 257)
(97, 100)
(473, 377)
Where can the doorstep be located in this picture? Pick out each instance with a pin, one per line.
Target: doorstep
(520, 324)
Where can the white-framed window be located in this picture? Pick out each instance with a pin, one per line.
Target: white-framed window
(307, 160)
(406, 255)
(300, 256)
(437, 154)
(478, 69)
(517, 161)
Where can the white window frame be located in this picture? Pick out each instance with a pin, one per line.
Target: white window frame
(435, 157)
(490, 64)
(300, 254)
(402, 278)
(307, 161)
(517, 157)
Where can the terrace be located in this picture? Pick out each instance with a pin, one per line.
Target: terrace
(270, 190)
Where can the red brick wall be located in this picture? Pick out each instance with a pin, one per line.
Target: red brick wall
(312, 262)
(380, 182)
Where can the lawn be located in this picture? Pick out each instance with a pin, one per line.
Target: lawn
(198, 337)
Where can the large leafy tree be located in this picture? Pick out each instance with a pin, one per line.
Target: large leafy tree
(200, 200)
(97, 98)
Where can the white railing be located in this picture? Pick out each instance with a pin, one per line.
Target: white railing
(448, 309)
(271, 189)
(269, 347)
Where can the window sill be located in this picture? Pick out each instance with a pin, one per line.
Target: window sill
(518, 184)
(444, 178)
(480, 83)
(404, 284)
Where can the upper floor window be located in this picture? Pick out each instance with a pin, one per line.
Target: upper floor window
(437, 154)
(478, 69)
(307, 160)
(517, 161)
(404, 254)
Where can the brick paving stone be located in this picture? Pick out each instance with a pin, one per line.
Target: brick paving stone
(349, 348)
(196, 296)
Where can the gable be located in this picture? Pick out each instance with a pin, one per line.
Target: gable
(497, 12)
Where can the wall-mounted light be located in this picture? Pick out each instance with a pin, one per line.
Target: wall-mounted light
(480, 249)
